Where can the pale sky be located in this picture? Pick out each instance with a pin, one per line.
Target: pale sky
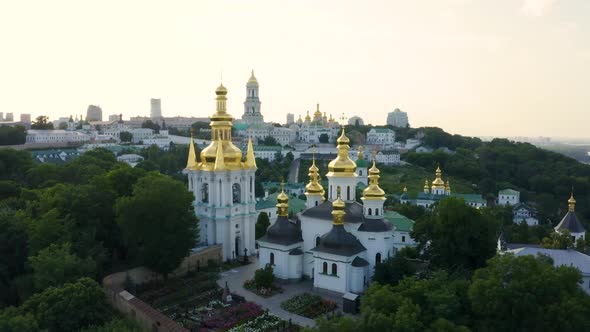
(488, 67)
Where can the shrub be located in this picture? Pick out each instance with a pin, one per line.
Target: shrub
(264, 277)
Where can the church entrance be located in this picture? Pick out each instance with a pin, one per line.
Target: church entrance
(238, 249)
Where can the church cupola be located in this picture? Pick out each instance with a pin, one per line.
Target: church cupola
(342, 172)
(373, 196)
(361, 167)
(252, 114)
(191, 163)
(571, 222)
(314, 190)
(282, 202)
(221, 125)
(250, 161)
(426, 187)
(448, 187)
(307, 118)
(438, 185)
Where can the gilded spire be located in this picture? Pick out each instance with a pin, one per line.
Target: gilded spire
(307, 117)
(448, 186)
(571, 203)
(342, 165)
(338, 207)
(373, 191)
(314, 187)
(283, 202)
(426, 188)
(360, 152)
(252, 78)
(250, 158)
(317, 113)
(219, 160)
(191, 163)
(405, 189)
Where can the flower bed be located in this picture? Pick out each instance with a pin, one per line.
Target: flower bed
(226, 318)
(309, 305)
(262, 291)
(263, 323)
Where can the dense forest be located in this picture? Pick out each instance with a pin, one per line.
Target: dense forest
(64, 227)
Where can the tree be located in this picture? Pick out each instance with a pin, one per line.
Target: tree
(125, 136)
(13, 253)
(12, 320)
(528, 294)
(150, 124)
(62, 126)
(263, 278)
(456, 235)
(70, 307)
(12, 135)
(56, 265)
(158, 222)
(262, 224)
(324, 138)
(269, 141)
(395, 268)
(258, 187)
(558, 240)
(41, 123)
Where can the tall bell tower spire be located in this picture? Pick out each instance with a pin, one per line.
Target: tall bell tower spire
(252, 103)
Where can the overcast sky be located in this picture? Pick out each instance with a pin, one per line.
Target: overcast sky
(489, 67)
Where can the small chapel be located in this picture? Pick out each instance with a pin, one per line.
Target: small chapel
(337, 241)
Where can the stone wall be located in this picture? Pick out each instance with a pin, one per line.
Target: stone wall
(134, 308)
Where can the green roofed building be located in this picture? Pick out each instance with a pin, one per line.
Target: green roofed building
(269, 205)
(403, 226)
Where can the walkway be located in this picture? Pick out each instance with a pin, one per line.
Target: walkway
(235, 279)
(294, 171)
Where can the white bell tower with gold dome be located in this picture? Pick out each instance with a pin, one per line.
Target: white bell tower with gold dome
(342, 172)
(223, 186)
(252, 103)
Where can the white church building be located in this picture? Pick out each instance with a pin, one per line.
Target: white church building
(223, 186)
(335, 242)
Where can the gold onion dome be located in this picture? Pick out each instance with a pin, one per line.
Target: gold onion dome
(314, 186)
(373, 191)
(426, 184)
(438, 182)
(338, 207)
(221, 126)
(307, 117)
(571, 203)
(342, 165)
(283, 202)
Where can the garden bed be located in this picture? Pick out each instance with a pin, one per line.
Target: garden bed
(309, 305)
(262, 291)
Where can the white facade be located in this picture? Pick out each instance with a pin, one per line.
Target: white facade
(391, 157)
(155, 109)
(384, 137)
(55, 136)
(522, 212)
(508, 197)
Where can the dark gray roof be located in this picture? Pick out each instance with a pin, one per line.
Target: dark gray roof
(524, 206)
(374, 225)
(571, 223)
(354, 212)
(359, 262)
(283, 232)
(339, 242)
(512, 246)
(296, 251)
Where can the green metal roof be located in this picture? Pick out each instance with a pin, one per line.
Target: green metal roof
(362, 163)
(401, 222)
(475, 198)
(240, 126)
(509, 192)
(295, 204)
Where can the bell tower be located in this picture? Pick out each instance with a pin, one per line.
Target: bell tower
(252, 103)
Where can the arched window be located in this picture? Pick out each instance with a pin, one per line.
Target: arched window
(370, 211)
(348, 193)
(325, 268)
(334, 269)
(376, 211)
(360, 172)
(317, 241)
(205, 193)
(272, 258)
(316, 203)
(236, 193)
(378, 258)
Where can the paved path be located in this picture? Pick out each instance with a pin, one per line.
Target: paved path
(294, 171)
(235, 279)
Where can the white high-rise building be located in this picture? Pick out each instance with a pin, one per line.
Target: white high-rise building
(156, 109)
(290, 119)
(25, 118)
(397, 118)
(94, 113)
(223, 186)
(9, 117)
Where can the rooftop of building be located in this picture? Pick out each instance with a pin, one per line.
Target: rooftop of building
(509, 192)
(560, 257)
(295, 204)
(399, 221)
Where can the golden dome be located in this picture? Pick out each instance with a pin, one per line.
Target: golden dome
(314, 187)
(282, 202)
(317, 113)
(252, 78)
(426, 187)
(338, 207)
(438, 183)
(571, 203)
(221, 90)
(405, 189)
(221, 125)
(373, 191)
(342, 165)
(307, 117)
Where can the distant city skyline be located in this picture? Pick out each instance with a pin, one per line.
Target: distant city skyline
(477, 68)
